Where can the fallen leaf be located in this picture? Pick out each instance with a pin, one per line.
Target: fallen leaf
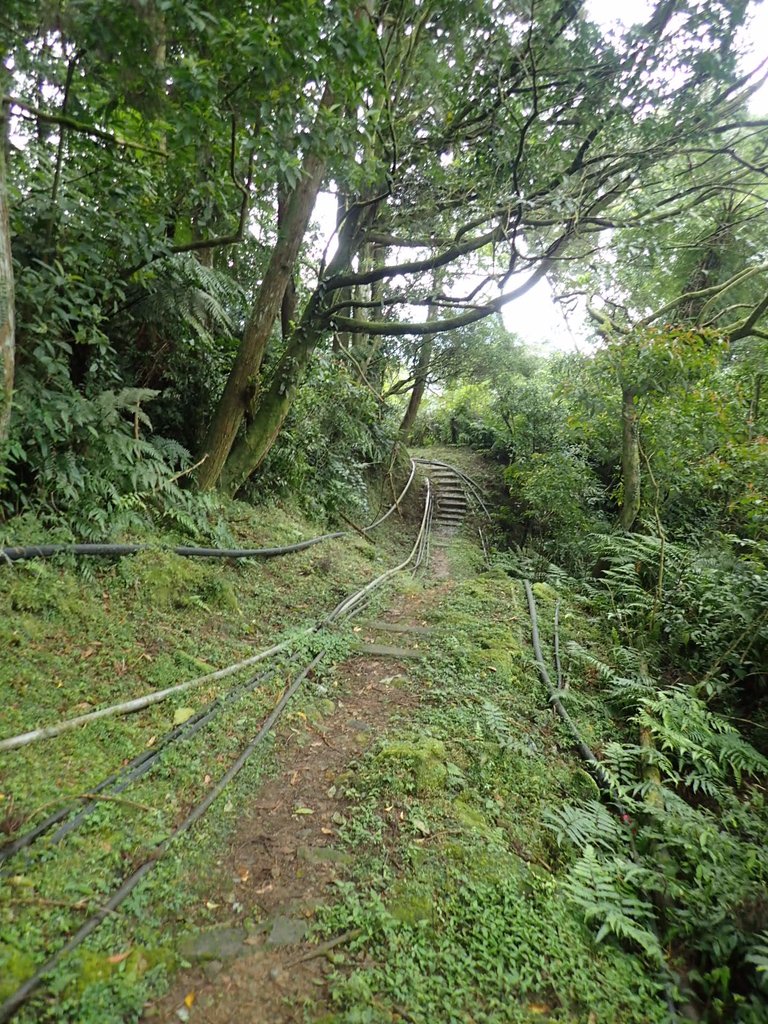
(119, 957)
(189, 999)
(181, 715)
(151, 741)
(212, 906)
(327, 831)
(303, 810)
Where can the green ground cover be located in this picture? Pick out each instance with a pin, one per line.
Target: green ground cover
(457, 901)
(80, 635)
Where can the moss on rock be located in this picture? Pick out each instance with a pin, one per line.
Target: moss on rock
(419, 765)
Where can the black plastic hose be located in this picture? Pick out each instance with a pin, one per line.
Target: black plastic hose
(18, 554)
(23, 552)
(347, 608)
(585, 751)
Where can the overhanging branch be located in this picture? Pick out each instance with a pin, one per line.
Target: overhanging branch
(427, 327)
(64, 121)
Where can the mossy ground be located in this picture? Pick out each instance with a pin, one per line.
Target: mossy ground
(77, 636)
(456, 894)
(453, 892)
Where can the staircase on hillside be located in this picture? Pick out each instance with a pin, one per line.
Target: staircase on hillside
(450, 499)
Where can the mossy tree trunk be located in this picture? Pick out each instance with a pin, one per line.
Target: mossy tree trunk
(7, 332)
(630, 458)
(241, 388)
(274, 405)
(275, 401)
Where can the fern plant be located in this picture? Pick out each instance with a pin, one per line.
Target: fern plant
(608, 890)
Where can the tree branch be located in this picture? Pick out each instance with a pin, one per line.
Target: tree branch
(79, 126)
(746, 327)
(376, 327)
(703, 293)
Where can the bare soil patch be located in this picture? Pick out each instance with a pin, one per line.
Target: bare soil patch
(282, 860)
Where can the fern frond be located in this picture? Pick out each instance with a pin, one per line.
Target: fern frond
(603, 891)
(585, 823)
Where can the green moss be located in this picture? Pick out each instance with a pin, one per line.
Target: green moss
(93, 968)
(410, 904)
(163, 579)
(544, 592)
(418, 765)
(15, 967)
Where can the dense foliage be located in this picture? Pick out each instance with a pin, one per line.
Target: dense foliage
(171, 323)
(681, 606)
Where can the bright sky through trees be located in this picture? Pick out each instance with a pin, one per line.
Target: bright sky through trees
(536, 317)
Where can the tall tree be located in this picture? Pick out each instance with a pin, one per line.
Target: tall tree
(7, 331)
(518, 138)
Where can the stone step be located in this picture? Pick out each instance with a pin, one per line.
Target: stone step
(384, 651)
(398, 627)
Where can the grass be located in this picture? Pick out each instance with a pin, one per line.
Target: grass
(81, 635)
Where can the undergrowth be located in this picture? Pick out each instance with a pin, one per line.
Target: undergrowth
(77, 636)
(457, 903)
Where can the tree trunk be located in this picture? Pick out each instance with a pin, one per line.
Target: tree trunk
(425, 356)
(7, 334)
(241, 388)
(422, 369)
(630, 459)
(274, 405)
(275, 402)
(420, 383)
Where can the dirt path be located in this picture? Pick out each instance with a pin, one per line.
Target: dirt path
(282, 859)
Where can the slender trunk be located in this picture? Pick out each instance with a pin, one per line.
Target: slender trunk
(420, 383)
(422, 368)
(7, 335)
(630, 459)
(425, 355)
(241, 389)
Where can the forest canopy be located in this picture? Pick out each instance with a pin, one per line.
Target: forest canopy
(164, 304)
